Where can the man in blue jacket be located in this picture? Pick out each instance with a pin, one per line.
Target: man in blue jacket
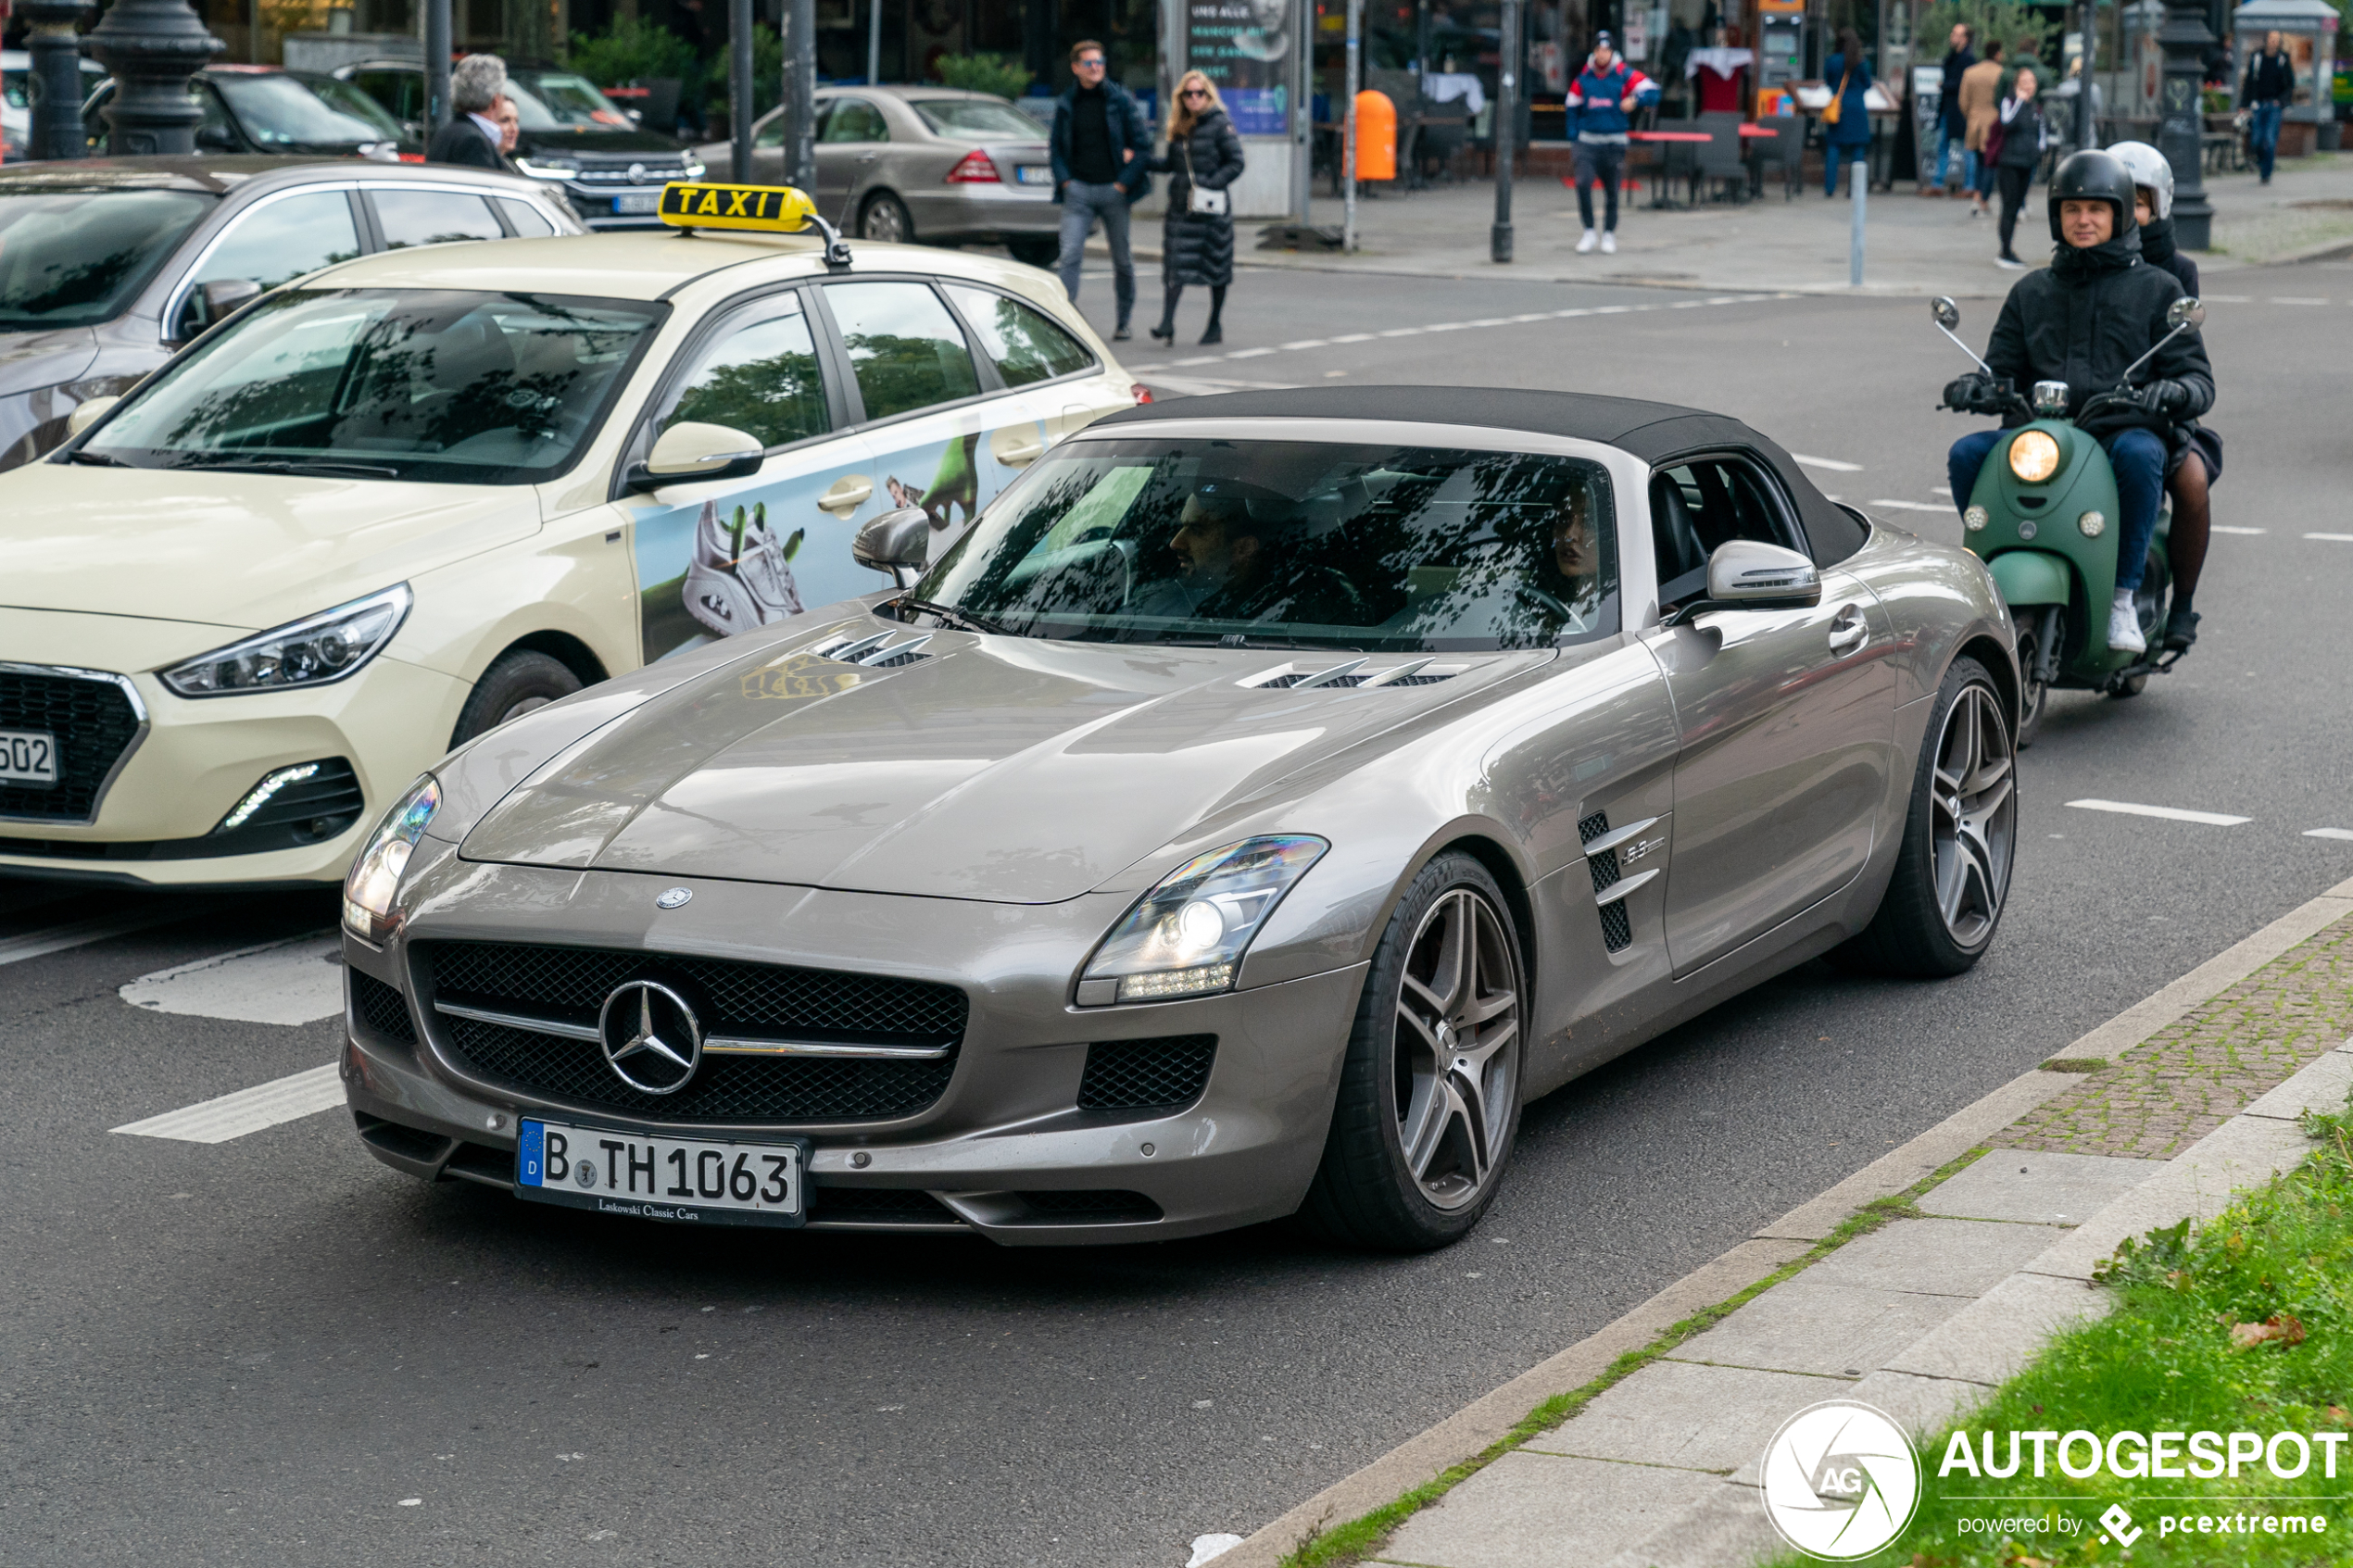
(1604, 93)
(1101, 145)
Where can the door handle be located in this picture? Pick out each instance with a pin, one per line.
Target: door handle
(848, 494)
(1016, 446)
(1848, 630)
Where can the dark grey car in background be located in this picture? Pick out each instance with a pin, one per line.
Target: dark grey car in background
(1265, 797)
(928, 164)
(108, 267)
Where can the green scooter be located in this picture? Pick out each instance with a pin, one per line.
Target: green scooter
(2044, 518)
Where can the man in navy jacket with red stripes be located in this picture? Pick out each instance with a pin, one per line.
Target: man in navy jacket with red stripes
(1604, 93)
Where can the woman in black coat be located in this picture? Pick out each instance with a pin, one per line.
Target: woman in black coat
(1197, 247)
(2020, 125)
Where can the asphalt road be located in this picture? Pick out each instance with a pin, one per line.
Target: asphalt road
(271, 1350)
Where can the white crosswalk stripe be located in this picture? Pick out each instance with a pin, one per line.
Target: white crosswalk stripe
(2170, 813)
(247, 1111)
(57, 938)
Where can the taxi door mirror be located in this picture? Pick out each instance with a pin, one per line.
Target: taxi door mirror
(689, 453)
(87, 412)
(1744, 574)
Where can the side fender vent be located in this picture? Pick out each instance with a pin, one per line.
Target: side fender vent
(1617, 931)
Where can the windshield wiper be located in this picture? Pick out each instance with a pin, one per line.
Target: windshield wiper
(96, 460)
(290, 465)
(954, 617)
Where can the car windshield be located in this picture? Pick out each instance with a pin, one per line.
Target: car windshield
(451, 385)
(979, 119)
(287, 111)
(73, 258)
(1146, 539)
(556, 101)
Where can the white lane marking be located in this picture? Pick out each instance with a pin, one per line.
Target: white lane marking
(2171, 813)
(2231, 298)
(1199, 359)
(1356, 337)
(2296, 299)
(294, 981)
(1306, 343)
(1914, 505)
(1943, 490)
(247, 1111)
(57, 938)
(2218, 527)
(2329, 832)
(1830, 463)
(2332, 538)
(1208, 1548)
(1254, 353)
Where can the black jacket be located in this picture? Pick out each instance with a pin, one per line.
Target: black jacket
(1948, 100)
(1198, 247)
(2086, 318)
(2158, 250)
(2021, 135)
(2269, 80)
(462, 141)
(1130, 134)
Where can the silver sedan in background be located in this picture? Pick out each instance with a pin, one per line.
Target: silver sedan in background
(928, 164)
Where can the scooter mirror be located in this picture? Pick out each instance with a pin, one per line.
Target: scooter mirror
(1947, 314)
(2185, 313)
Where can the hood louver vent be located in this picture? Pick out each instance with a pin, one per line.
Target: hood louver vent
(877, 652)
(1352, 673)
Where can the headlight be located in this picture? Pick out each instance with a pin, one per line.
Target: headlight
(2093, 524)
(373, 883)
(696, 168)
(2034, 455)
(310, 652)
(1974, 519)
(548, 168)
(1186, 937)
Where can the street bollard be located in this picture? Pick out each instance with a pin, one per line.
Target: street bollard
(1858, 187)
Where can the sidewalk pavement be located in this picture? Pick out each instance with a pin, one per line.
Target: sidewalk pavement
(2162, 1113)
(1915, 245)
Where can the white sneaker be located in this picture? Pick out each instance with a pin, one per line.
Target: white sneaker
(1609, 243)
(2124, 626)
(1587, 243)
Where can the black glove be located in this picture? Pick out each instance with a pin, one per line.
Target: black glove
(1968, 393)
(2166, 396)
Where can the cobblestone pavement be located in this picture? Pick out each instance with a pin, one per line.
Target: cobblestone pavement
(2188, 1078)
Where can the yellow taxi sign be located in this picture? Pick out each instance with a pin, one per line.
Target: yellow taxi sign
(773, 209)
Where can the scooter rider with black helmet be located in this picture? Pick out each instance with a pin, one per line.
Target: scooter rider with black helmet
(2085, 320)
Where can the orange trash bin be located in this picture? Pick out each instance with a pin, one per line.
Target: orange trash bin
(1376, 137)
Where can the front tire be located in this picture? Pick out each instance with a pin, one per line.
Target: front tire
(1428, 1103)
(885, 219)
(517, 682)
(1951, 873)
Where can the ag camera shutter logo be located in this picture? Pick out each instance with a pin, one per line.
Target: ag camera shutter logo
(1841, 1480)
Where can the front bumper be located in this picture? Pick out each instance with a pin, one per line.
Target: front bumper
(1007, 1127)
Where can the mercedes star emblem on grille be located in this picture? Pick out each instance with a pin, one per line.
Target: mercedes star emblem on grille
(671, 897)
(652, 1040)
(636, 173)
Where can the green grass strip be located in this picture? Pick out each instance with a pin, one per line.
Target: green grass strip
(1350, 1542)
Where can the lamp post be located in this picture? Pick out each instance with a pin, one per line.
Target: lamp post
(437, 53)
(153, 47)
(1506, 123)
(56, 76)
(801, 94)
(2184, 38)
(739, 79)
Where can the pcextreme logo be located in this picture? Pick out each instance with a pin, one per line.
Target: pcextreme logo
(1841, 1480)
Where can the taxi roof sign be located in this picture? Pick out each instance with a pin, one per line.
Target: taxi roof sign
(770, 210)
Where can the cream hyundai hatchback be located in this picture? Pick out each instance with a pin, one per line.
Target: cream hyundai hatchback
(407, 498)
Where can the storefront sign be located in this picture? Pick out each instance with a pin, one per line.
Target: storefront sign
(1245, 48)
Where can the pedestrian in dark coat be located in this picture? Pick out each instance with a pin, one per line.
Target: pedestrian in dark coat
(1203, 154)
(1848, 141)
(472, 135)
(2018, 136)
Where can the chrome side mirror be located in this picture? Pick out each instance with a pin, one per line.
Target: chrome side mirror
(2185, 313)
(1946, 313)
(1743, 574)
(689, 453)
(899, 540)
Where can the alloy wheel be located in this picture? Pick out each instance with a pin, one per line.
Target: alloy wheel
(1975, 799)
(1457, 1062)
(884, 223)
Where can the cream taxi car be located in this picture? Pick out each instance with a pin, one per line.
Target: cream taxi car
(408, 498)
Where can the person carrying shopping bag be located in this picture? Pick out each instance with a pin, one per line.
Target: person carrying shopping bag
(1205, 159)
(1846, 118)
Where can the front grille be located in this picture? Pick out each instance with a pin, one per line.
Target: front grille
(1617, 931)
(94, 723)
(1157, 1075)
(877, 1206)
(1088, 1208)
(379, 1008)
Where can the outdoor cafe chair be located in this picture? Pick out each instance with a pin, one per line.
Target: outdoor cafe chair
(1787, 148)
(1722, 163)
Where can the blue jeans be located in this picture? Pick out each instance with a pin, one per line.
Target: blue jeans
(2138, 457)
(2264, 136)
(1082, 204)
(1946, 140)
(1853, 152)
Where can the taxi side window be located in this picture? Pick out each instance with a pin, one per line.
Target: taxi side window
(854, 119)
(433, 217)
(906, 351)
(1023, 344)
(757, 374)
(1697, 505)
(528, 220)
(274, 243)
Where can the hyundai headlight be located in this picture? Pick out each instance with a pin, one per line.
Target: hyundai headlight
(2034, 455)
(372, 889)
(309, 652)
(1187, 936)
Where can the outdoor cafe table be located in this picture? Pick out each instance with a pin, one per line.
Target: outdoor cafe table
(1663, 172)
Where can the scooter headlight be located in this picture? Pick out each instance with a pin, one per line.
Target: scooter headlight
(2093, 524)
(1975, 519)
(2034, 455)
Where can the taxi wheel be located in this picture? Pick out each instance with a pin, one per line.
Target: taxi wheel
(885, 219)
(514, 684)
(1034, 253)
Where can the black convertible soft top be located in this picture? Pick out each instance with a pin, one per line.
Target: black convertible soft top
(1652, 432)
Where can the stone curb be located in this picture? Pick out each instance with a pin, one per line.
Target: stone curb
(1478, 1424)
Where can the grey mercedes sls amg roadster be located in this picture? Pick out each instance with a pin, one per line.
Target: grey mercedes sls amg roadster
(1257, 804)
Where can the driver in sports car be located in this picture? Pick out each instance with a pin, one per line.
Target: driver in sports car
(1237, 558)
